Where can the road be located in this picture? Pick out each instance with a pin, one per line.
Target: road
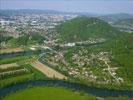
(111, 72)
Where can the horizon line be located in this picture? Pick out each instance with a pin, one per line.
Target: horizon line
(69, 11)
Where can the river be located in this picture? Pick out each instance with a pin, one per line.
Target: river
(92, 90)
(76, 86)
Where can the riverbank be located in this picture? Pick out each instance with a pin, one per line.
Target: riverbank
(51, 93)
(74, 86)
(41, 52)
(55, 93)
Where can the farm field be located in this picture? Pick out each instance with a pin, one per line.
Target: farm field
(16, 59)
(59, 55)
(15, 70)
(11, 50)
(21, 69)
(47, 70)
(4, 66)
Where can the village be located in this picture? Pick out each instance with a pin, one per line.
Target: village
(82, 64)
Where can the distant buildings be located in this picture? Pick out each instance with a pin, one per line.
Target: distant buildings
(28, 23)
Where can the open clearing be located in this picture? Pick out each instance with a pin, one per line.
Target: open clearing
(47, 93)
(11, 50)
(47, 70)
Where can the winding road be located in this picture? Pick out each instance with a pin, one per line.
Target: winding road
(111, 72)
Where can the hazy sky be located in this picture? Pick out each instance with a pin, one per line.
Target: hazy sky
(92, 6)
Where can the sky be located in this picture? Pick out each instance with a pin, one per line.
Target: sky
(91, 6)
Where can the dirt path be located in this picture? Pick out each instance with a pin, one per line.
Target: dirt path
(47, 70)
(4, 66)
(11, 50)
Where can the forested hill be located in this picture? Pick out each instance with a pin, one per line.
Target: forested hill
(82, 28)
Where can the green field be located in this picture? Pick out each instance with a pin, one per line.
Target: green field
(18, 59)
(46, 93)
(16, 79)
(33, 74)
(54, 93)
